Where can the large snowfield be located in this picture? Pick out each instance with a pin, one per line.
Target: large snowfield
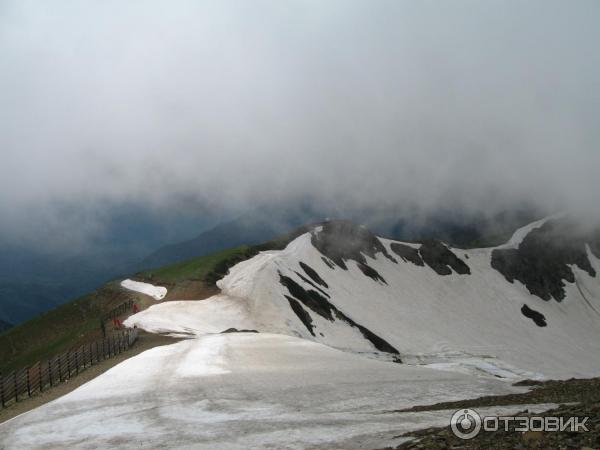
(244, 390)
(325, 384)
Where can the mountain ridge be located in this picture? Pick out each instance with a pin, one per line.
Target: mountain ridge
(284, 291)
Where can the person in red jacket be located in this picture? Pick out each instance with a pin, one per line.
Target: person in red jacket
(135, 308)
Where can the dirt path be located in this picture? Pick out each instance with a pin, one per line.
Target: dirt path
(145, 342)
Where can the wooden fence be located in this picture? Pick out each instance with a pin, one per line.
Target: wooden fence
(41, 376)
(118, 311)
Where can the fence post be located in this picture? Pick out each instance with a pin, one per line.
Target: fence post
(77, 361)
(50, 372)
(2, 390)
(16, 389)
(40, 374)
(28, 383)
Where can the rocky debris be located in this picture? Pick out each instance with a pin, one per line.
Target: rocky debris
(576, 398)
(543, 259)
(537, 317)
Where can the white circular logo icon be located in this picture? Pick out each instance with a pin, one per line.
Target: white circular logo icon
(465, 423)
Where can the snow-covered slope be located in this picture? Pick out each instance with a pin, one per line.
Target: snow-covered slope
(244, 391)
(425, 304)
(336, 310)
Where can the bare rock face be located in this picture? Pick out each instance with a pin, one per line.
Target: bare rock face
(342, 241)
(407, 253)
(542, 261)
(433, 253)
(441, 259)
(319, 304)
(536, 316)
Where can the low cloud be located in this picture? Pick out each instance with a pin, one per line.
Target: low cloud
(227, 104)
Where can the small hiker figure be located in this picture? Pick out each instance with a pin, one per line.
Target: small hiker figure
(135, 308)
(118, 324)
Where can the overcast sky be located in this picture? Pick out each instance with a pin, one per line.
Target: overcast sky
(479, 103)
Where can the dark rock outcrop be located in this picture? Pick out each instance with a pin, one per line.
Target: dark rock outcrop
(371, 273)
(312, 273)
(342, 241)
(543, 259)
(308, 281)
(537, 317)
(437, 256)
(302, 314)
(328, 263)
(314, 301)
(407, 253)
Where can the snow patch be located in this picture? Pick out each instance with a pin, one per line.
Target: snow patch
(156, 292)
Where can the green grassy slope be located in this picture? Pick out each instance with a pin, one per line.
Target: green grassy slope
(78, 321)
(57, 330)
(192, 269)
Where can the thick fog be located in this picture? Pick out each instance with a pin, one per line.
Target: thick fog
(222, 105)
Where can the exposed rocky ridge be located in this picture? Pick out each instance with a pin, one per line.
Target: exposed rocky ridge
(342, 241)
(320, 305)
(433, 253)
(543, 259)
(407, 253)
(312, 273)
(437, 256)
(278, 243)
(301, 291)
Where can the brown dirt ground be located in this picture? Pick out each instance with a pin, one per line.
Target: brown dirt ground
(191, 290)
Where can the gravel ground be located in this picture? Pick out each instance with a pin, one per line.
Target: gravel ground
(576, 398)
